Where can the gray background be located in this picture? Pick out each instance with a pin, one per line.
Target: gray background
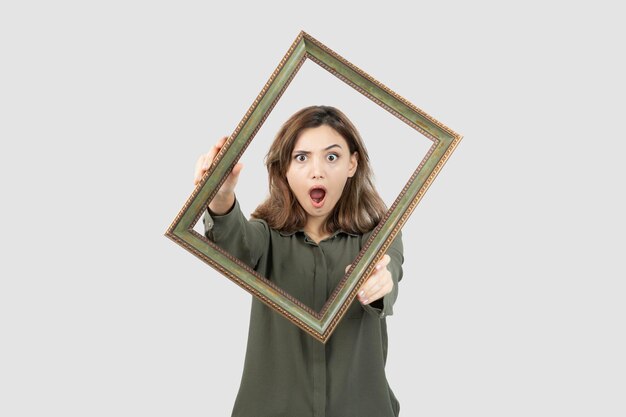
(513, 297)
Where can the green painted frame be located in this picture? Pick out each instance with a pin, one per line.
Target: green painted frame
(318, 324)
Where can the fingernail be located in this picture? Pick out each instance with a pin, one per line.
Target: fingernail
(364, 301)
(361, 293)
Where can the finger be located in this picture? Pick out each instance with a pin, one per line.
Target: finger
(383, 262)
(347, 267)
(237, 169)
(210, 156)
(216, 148)
(380, 293)
(199, 171)
(375, 276)
(380, 287)
(204, 161)
(376, 281)
(365, 289)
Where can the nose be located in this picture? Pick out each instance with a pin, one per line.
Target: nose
(317, 168)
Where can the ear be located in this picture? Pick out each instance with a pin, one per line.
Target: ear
(354, 163)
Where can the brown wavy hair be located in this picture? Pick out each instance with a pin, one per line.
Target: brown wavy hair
(360, 207)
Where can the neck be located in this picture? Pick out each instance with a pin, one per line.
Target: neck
(315, 227)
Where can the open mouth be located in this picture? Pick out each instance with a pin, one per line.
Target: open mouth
(318, 195)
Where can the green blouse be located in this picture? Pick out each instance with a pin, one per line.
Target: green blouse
(288, 373)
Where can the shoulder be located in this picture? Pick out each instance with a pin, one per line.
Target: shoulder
(396, 243)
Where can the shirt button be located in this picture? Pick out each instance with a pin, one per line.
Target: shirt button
(382, 315)
(209, 225)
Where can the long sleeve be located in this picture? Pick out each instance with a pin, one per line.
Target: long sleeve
(244, 239)
(384, 306)
(282, 358)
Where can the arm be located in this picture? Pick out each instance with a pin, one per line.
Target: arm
(384, 306)
(244, 239)
(224, 223)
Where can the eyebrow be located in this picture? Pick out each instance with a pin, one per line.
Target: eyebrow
(325, 149)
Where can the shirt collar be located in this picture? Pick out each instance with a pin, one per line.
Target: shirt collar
(333, 235)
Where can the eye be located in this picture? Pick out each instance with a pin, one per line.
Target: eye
(300, 157)
(332, 157)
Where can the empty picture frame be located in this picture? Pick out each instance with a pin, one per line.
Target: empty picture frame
(319, 324)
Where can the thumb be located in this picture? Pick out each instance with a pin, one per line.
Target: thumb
(234, 173)
(237, 169)
(348, 267)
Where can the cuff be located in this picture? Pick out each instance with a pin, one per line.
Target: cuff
(377, 308)
(214, 222)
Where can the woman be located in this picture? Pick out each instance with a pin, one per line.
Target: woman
(321, 210)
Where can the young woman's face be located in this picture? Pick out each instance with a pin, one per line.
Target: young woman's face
(320, 165)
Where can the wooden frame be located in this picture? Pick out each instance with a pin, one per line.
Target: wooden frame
(318, 324)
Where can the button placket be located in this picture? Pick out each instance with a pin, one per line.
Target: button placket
(319, 350)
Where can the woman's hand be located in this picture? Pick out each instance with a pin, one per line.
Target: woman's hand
(225, 197)
(378, 284)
